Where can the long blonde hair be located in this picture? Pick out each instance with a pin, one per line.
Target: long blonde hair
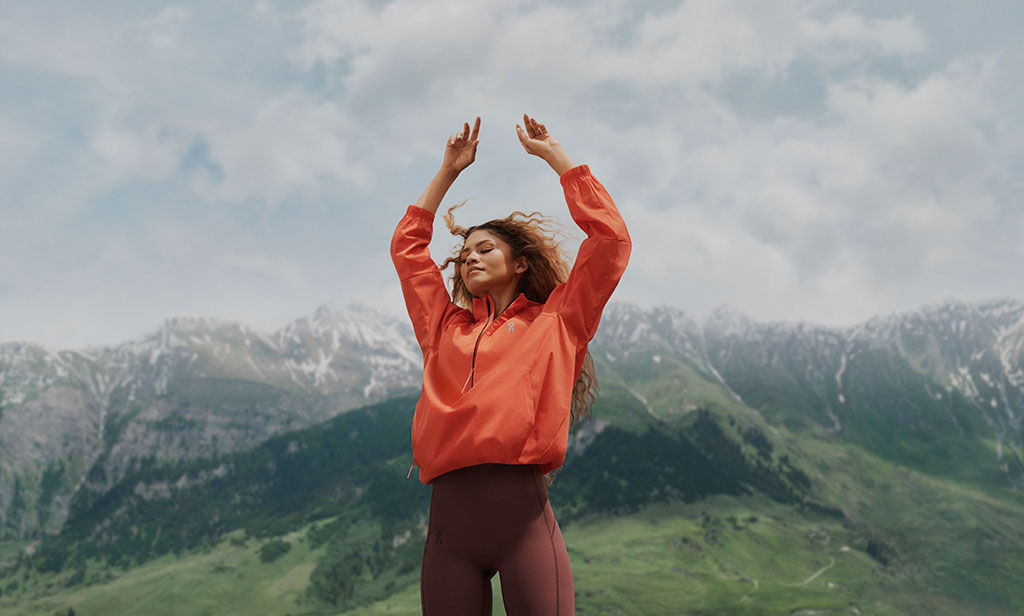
(531, 236)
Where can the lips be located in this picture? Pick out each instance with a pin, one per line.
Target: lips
(473, 270)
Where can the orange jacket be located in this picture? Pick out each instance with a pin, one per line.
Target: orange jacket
(498, 388)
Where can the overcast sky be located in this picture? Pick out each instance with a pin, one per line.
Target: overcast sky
(796, 160)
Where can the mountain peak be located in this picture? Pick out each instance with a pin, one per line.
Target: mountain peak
(727, 320)
(191, 325)
(335, 311)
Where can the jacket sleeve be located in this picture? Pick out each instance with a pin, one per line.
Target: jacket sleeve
(601, 259)
(426, 297)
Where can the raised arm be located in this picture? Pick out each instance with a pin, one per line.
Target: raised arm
(426, 297)
(602, 257)
(459, 153)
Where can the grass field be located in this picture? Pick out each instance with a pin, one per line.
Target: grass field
(721, 556)
(229, 579)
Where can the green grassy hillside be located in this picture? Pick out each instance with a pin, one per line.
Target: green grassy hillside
(943, 550)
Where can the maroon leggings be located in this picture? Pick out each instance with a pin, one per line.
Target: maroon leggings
(494, 518)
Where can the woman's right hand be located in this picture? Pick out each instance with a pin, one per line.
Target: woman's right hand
(460, 152)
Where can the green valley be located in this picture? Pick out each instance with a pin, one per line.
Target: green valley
(730, 468)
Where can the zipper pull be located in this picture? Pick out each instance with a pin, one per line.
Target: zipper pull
(410, 470)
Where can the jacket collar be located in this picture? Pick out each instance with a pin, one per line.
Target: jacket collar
(483, 307)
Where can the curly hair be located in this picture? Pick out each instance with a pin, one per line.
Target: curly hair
(531, 236)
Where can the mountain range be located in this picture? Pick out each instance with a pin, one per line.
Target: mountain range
(72, 422)
(167, 442)
(75, 421)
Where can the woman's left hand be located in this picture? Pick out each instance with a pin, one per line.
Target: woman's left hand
(460, 151)
(538, 141)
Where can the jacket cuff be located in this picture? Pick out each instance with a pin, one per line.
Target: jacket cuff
(415, 211)
(576, 172)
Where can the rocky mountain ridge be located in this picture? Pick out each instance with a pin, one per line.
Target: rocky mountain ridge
(953, 368)
(72, 423)
(306, 353)
(191, 388)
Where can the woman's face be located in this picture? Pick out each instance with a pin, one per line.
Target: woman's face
(487, 265)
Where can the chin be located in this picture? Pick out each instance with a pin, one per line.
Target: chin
(475, 288)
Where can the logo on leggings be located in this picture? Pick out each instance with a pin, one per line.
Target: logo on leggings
(437, 537)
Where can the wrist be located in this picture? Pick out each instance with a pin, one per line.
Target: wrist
(447, 174)
(560, 162)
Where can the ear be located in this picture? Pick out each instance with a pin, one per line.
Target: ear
(522, 265)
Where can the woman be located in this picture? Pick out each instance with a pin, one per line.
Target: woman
(504, 372)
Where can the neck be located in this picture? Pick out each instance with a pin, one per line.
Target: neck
(502, 298)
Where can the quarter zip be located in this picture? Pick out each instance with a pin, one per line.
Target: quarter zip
(476, 345)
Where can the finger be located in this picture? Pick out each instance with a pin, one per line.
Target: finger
(476, 128)
(537, 130)
(522, 135)
(465, 131)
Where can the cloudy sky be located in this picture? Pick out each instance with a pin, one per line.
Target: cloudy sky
(794, 159)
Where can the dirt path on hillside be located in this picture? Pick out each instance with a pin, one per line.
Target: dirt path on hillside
(815, 575)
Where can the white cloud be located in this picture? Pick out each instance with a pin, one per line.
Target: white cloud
(17, 146)
(846, 36)
(804, 159)
(164, 29)
(293, 142)
(706, 40)
(147, 153)
(835, 218)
